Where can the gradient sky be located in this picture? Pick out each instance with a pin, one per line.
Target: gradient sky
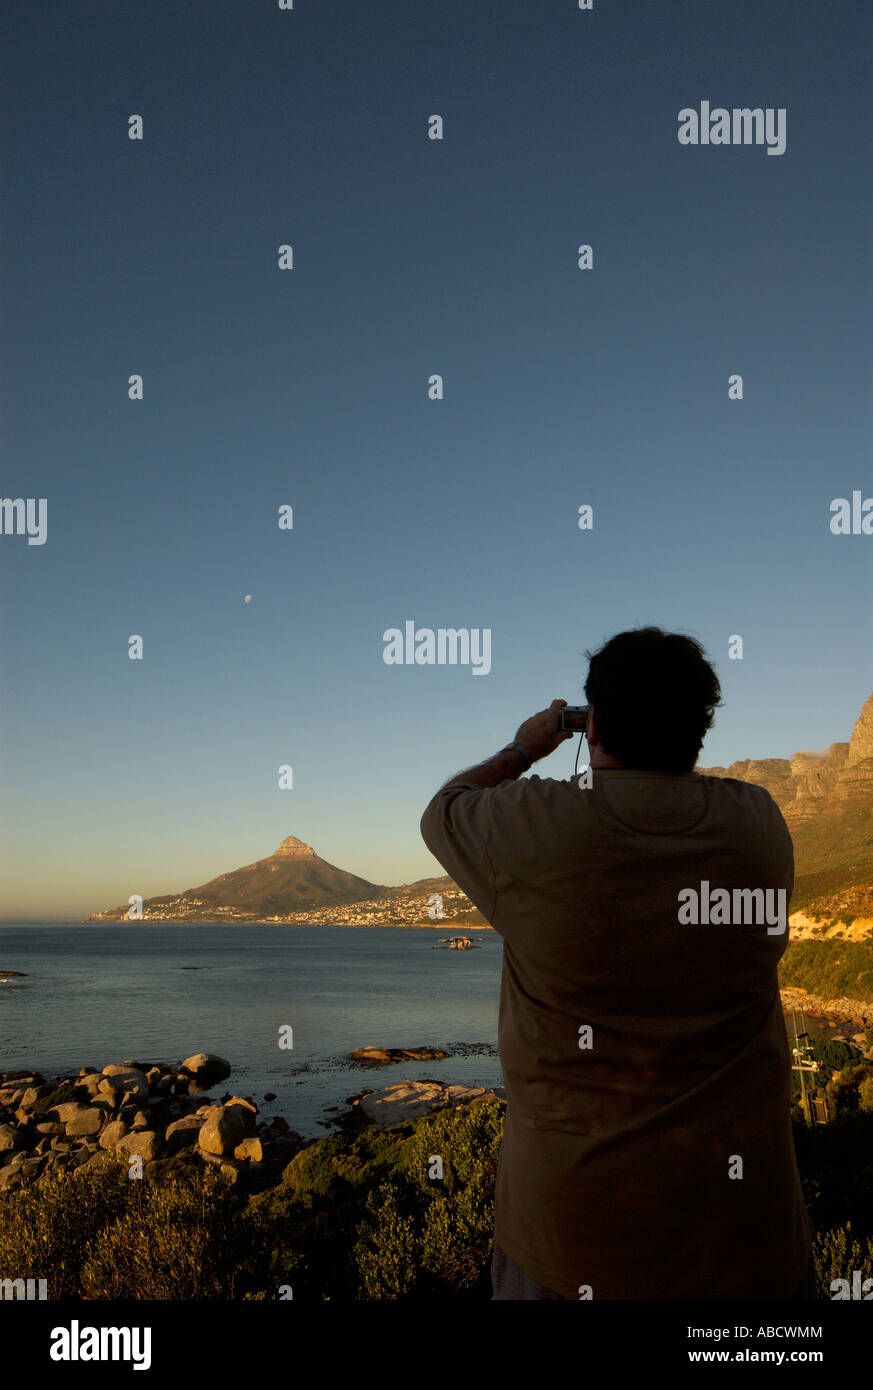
(309, 387)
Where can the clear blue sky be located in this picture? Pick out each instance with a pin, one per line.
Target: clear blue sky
(309, 387)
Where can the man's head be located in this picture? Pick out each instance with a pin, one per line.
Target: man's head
(653, 696)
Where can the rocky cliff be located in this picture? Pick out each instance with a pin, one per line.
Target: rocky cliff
(827, 801)
(809, 783)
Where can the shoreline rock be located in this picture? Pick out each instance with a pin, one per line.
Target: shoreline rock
(409, 1100)
(142, 1110)
(856, 1011)
(156, 1112)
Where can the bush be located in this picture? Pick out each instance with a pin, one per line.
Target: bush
(425, 1236)
(865, 1094)
(837, 1254)
(174, 1241)
(844, 1090)
(386, 1249)
(47, 1227)
(357, 1217)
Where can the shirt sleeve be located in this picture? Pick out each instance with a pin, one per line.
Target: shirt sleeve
(456, 827)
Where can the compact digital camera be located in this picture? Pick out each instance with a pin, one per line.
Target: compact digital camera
(574, 719)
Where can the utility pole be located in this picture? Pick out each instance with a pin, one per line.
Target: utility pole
(815, 1108)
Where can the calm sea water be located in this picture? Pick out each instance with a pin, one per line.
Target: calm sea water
(101, 993)
(158, 993)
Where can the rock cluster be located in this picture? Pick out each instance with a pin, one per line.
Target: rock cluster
(838, 1011)
(152, 1111)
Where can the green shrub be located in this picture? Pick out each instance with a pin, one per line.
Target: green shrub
(174, 1241)
(47, 1227)
(843, 1090)
(423, 1236)
(828, 968)
(865, 1093)
(387, 1248)
(837, 1254)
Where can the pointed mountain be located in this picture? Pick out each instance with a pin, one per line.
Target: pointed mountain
(292, 879)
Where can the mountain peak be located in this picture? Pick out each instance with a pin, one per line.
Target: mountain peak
(292, 848)
(861, 742)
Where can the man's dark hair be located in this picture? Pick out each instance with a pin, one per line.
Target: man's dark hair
(654, 695)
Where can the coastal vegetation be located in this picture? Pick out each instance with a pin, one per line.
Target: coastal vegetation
(833, 969)
(362, 1216)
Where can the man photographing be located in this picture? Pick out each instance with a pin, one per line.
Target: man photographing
(647, 1150)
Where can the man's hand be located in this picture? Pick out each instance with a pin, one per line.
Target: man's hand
(541, 734)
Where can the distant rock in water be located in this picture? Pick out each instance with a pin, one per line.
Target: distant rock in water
(12, 975)
(206, 1068)
(379, 1056)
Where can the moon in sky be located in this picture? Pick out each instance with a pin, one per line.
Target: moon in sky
(247, 599)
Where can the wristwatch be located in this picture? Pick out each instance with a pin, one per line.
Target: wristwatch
(519, 748)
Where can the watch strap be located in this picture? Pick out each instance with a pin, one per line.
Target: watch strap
(517, 747)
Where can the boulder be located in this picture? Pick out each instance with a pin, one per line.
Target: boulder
(125, 1082)
(181, 1134)
(224, 1128)
(145, 1142)
(87, 1120)
(206, 1068)
(7, 1139)
(32, 1094)
(250, 1148)
(246, 1102)
(410, 1099)
(90, 1085)
(113, 1134)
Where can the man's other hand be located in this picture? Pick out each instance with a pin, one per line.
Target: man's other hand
(541, 734)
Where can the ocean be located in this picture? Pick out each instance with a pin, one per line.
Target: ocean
(103, 992)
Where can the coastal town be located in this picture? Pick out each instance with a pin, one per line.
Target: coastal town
(413, 905)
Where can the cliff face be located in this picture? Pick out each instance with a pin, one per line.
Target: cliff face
(827, 802)
(811, 784)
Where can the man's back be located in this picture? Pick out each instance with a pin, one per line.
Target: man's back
(650, 1157)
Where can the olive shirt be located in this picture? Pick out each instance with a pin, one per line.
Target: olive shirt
(651, 1157)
